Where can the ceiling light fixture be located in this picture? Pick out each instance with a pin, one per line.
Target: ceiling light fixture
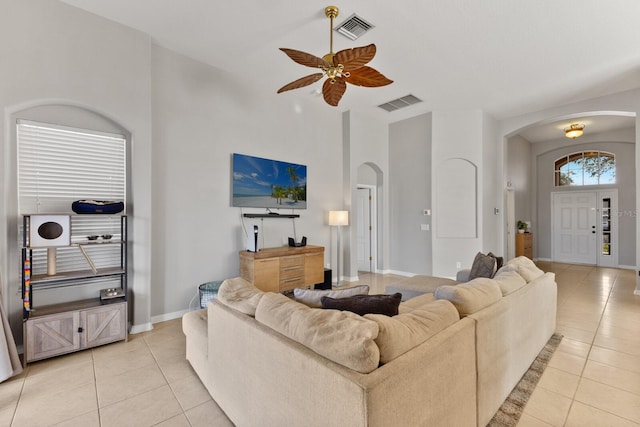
(574, 131)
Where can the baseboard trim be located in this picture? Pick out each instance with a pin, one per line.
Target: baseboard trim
(401, 273)
(136, 329)
(544, 259)
(627, 267)
(168, 316)
(636, 292)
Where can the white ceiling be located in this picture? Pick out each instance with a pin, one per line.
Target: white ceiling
(506, 57)
(603, 124)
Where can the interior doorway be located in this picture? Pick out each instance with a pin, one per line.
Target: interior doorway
(366, 227)
(584, 227)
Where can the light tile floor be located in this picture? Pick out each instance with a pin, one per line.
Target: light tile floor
(593, 378)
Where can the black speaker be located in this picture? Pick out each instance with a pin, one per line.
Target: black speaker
(327, 280)
(293, 243)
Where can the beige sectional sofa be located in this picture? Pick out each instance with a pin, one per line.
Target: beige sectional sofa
(449, 358)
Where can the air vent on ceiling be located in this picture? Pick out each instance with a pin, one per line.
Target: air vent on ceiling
(396, 104)
(354, 27)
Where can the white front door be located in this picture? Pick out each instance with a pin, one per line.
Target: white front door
(364, 229)
(574, 233)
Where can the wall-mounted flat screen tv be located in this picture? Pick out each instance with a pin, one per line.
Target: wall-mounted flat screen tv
(265, 183)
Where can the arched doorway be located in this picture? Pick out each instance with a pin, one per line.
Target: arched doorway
(366, 214)
(531, 182)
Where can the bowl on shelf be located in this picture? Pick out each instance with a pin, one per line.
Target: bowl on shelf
(92, 237)
(106, 236)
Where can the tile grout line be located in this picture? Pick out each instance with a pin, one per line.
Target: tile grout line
(24, 380)
(168, 383)
(95, 381)
(573, 399)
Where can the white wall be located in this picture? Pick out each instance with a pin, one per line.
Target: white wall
(518, 168)
(366, 141)
(492, 221)
(456, 156)
(53, 54)
(202, 115)
(410, 194)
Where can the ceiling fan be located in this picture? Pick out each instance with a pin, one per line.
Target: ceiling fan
(345, 66)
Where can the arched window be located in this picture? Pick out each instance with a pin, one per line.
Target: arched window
(586, 168)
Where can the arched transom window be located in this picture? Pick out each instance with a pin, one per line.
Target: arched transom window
(586, 168)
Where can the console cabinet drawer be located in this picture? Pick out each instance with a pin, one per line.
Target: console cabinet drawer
(281, 269)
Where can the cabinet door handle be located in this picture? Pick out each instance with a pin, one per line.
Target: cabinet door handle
(80, 330)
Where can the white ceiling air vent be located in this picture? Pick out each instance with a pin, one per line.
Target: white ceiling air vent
(354, 27)
(396, 104)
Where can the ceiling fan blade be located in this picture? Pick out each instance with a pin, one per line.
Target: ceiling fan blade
(368, 77)
(332, 92)
(305, 59)
(356, 57)
(301, 82)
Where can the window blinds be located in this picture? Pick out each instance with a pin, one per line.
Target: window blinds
(58, 165)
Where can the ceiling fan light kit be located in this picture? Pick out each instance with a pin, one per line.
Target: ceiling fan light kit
(345, 66)
(574, 131)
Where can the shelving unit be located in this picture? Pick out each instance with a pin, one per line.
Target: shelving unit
(54, 329)
(270, 215)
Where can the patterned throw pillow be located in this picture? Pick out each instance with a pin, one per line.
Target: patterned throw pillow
(483, 266)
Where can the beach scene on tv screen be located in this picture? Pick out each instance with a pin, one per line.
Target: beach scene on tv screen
(265, 183)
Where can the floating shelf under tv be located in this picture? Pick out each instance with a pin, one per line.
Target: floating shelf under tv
(271, 215)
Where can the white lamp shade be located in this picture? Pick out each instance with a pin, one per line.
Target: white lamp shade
(338, 217)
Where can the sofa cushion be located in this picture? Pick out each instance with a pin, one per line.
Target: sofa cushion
(472, 296)
(413, 303)
(509, 281)
(526, 268)
(365, 304)
(240, 295)
(340, 336)
(401, 333)
(311, 297)
(483, 266)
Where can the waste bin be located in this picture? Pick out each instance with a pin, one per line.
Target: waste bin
(208, 292)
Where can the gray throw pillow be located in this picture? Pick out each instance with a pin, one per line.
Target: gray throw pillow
(311, 297)
(499, 260)
(483, 266)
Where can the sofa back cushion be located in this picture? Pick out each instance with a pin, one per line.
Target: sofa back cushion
(240, 295)
(340, 336)
(471, 296)
(401, 333)
(312, 297)
(526, 268)
(416, 302)
(508, 280)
